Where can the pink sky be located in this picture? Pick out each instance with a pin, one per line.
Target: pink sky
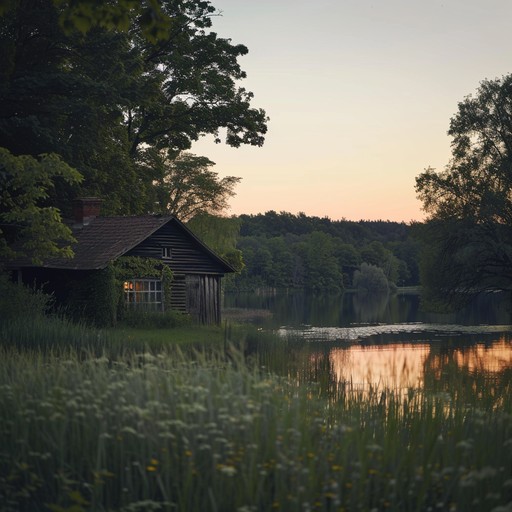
(359, 94)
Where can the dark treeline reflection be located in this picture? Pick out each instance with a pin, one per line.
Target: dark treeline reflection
(351, 308)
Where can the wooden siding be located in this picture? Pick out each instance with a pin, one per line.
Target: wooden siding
(197, 275)
(179, 294)
(188, 257)
(203, 298)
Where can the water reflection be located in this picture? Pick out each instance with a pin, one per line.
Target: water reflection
(382, 341)
(323, 310)
(410, 365)
(370, 308)
(390, 366)
(440, 366)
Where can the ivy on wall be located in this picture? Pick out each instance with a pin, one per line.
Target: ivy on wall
(98, 297)
(94, 297)
(167, 278)
(135, 267)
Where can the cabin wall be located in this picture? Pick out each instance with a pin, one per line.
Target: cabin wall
(187, 256)
(203, 298)
(197, 277)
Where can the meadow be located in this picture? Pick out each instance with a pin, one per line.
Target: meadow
(146, 421)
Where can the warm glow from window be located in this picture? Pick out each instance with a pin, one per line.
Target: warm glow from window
(144, 294)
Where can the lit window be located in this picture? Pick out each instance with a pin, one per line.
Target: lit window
(143, 294)
(166, 253)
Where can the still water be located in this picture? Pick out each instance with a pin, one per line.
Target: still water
(382, 341)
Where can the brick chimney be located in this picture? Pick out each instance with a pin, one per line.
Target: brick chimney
(85, 209)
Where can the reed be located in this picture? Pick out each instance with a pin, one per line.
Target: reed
(207, 430)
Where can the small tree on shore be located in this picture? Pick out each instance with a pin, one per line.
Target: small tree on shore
(370, 279)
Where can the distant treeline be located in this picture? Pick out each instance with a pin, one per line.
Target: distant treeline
(283, 250)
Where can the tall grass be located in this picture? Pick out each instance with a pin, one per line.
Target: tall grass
(154, 430)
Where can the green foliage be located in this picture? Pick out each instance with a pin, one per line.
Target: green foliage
(156, 431)
(25, 217)
(135, 267)
(84, 15)
(186, 186)
(296, 251)
(94, 297)
(320, 264)
(469, 204)
(221, 235)
(167, 279)
(476, 183)
(106, 98)
(370, 279)
(20, 302)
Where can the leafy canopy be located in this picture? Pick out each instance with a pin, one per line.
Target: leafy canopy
(469, 205)
(37, 229)
(83, 80)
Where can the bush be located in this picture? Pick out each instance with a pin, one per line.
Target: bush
(370, 278)
(19, 301)
(155, 319)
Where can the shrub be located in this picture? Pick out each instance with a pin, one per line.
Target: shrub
(19, 301)
(370, 278)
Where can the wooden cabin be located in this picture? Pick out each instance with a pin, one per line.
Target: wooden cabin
(197, 270)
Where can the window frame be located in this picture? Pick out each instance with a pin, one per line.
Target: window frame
(144, 293)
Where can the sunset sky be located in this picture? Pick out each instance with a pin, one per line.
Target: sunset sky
(359, 95)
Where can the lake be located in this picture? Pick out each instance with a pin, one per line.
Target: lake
(380, 341)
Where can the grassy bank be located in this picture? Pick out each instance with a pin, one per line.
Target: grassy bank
(60, 334)
(160, 429)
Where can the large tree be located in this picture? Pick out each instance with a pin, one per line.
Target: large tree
(100, 98)
(187, 186)
(468, 233)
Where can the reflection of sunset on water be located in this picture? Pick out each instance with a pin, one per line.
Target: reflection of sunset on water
(491, 359)
(385, 366)
(403, 365)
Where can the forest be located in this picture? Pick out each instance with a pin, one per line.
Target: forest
(283, 250)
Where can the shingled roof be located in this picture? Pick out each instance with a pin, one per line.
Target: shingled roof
(107, 238)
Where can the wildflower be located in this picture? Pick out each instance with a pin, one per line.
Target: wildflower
(129, 430)
(464, 445)
(227, 470)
